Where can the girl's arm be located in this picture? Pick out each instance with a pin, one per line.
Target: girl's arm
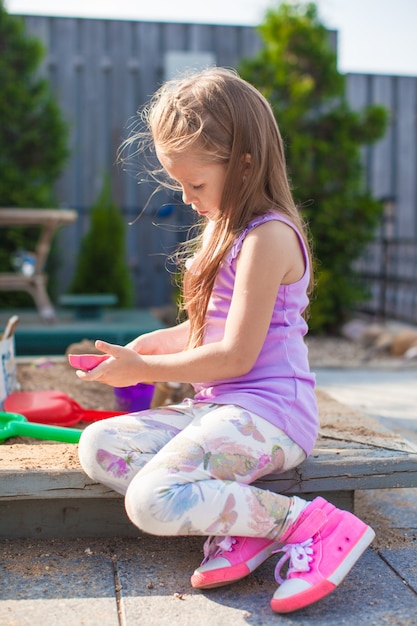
(270, 255)
(163, 341)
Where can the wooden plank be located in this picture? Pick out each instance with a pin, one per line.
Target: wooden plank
(250, 42)
(342, 499)
(174, 37)
(382, 175)
(26, 217)
(65, 75)
(150, 55)
(50, 485)
(406, 190)
(326, 470)
(357, 91)
(334, 468)
(200, 37)
(353, 452)
(226, 46)
(85, 517)
(349, 471)
(59, 518)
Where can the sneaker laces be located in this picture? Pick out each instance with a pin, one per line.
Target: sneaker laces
(299, 556)
(214, 546)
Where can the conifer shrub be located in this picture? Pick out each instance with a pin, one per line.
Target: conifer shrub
(101, 266)
(33, 138)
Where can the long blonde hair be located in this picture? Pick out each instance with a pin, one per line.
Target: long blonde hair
(223, 118)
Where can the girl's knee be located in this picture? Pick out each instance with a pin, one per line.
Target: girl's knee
(149, 503)
(91, 440)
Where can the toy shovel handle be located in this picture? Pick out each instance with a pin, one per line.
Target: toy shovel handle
(18, 426)
(50, 433)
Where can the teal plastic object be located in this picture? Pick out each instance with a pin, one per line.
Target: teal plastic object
(15, 425)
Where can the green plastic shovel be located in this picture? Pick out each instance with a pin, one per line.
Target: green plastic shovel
(15, 425)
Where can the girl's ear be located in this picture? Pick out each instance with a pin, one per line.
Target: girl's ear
(246, 162)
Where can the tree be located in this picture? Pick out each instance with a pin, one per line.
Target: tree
(33, 134)
(296, 69)
(101, 266)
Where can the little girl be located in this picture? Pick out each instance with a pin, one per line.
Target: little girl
(188, 469)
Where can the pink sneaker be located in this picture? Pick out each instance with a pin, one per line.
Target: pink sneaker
(322, 547)
(227, 559)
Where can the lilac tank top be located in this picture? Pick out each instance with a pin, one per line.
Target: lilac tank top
(280, 386)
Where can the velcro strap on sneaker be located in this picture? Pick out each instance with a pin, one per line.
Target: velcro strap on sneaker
(308, 527)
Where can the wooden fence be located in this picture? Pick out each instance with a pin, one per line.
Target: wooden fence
(103, 70)
(389, 266)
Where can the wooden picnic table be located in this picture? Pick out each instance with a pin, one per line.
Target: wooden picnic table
(49, 220)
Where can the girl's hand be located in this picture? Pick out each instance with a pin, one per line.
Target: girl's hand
(123, 369)
(144, 344)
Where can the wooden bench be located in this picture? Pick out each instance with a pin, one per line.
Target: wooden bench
(49, 220)
(88, 305)
(353, 452)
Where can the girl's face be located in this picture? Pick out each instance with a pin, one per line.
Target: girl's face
(201, 182)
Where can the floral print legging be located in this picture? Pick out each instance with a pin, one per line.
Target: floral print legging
(187, 468)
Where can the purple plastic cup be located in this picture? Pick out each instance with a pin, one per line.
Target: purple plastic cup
(135, 398)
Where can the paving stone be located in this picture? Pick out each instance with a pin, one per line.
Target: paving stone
(57, 590)
(398, 506)
(371, 595)
(404, 562)
(153, 573)
(156, 590)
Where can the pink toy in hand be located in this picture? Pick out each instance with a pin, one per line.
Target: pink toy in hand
(86, 362)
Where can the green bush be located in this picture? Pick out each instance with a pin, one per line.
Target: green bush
(296, 69)
(33, 137)
(101, 267)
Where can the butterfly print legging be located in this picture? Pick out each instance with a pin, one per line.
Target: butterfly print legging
(188, 468)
